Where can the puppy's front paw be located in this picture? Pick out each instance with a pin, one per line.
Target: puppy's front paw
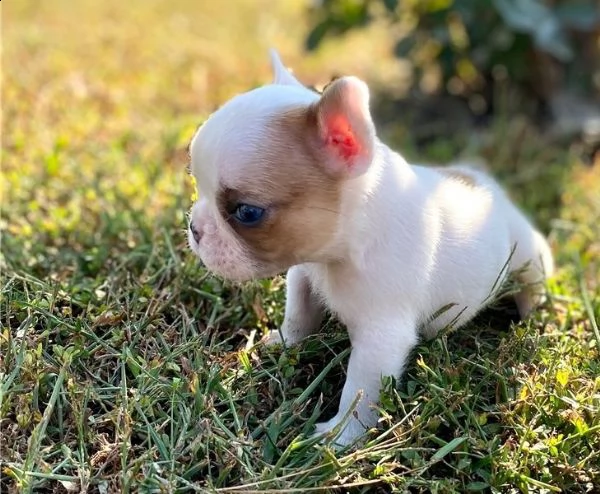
(272, 338)
(346, 434)
(290, 336)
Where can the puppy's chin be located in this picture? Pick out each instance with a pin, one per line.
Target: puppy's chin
(241, 273)
(237, 267)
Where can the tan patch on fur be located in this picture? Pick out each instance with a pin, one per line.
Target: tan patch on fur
(290, 181)
(458, 175)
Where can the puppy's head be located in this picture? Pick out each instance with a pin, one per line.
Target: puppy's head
(270, 166)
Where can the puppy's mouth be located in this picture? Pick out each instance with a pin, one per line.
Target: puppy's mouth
(252, 272)
(230, 262)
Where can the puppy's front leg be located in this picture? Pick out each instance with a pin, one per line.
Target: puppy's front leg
(377, 350)
(303, 309)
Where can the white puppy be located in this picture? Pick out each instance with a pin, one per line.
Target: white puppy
(293, 180)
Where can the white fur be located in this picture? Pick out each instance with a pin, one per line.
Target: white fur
(417, 244)
(410, 241)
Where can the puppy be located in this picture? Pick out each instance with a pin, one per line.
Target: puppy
(293, 180)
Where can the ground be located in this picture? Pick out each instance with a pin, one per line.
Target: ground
(124, 367)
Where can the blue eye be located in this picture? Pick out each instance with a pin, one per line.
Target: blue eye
(248, 215)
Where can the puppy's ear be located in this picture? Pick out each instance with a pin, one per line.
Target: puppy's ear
(345, 129)
(281, 75)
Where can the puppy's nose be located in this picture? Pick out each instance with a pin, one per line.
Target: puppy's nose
(195, 233)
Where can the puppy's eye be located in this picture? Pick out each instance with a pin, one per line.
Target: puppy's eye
(248, 215)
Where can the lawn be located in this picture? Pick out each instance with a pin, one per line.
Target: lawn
(124, 367)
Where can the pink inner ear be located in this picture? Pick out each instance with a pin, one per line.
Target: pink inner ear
(341, 138)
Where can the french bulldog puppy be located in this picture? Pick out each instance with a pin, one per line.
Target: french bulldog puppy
(290, 179)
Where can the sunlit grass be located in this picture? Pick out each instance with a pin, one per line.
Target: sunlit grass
(125, 367)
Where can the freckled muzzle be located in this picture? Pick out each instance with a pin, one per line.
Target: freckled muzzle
(217, 247)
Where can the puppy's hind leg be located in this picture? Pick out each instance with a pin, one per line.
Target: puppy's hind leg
(303, 310)
(532, 264)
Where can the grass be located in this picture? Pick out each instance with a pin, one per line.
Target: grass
(124, 367)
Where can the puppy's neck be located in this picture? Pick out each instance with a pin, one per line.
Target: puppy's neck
(365, 202)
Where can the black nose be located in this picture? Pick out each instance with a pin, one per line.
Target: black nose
(195, 233)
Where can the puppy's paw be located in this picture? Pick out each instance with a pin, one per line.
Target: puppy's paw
(272, 338)
(286, 335)
(340, 434)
